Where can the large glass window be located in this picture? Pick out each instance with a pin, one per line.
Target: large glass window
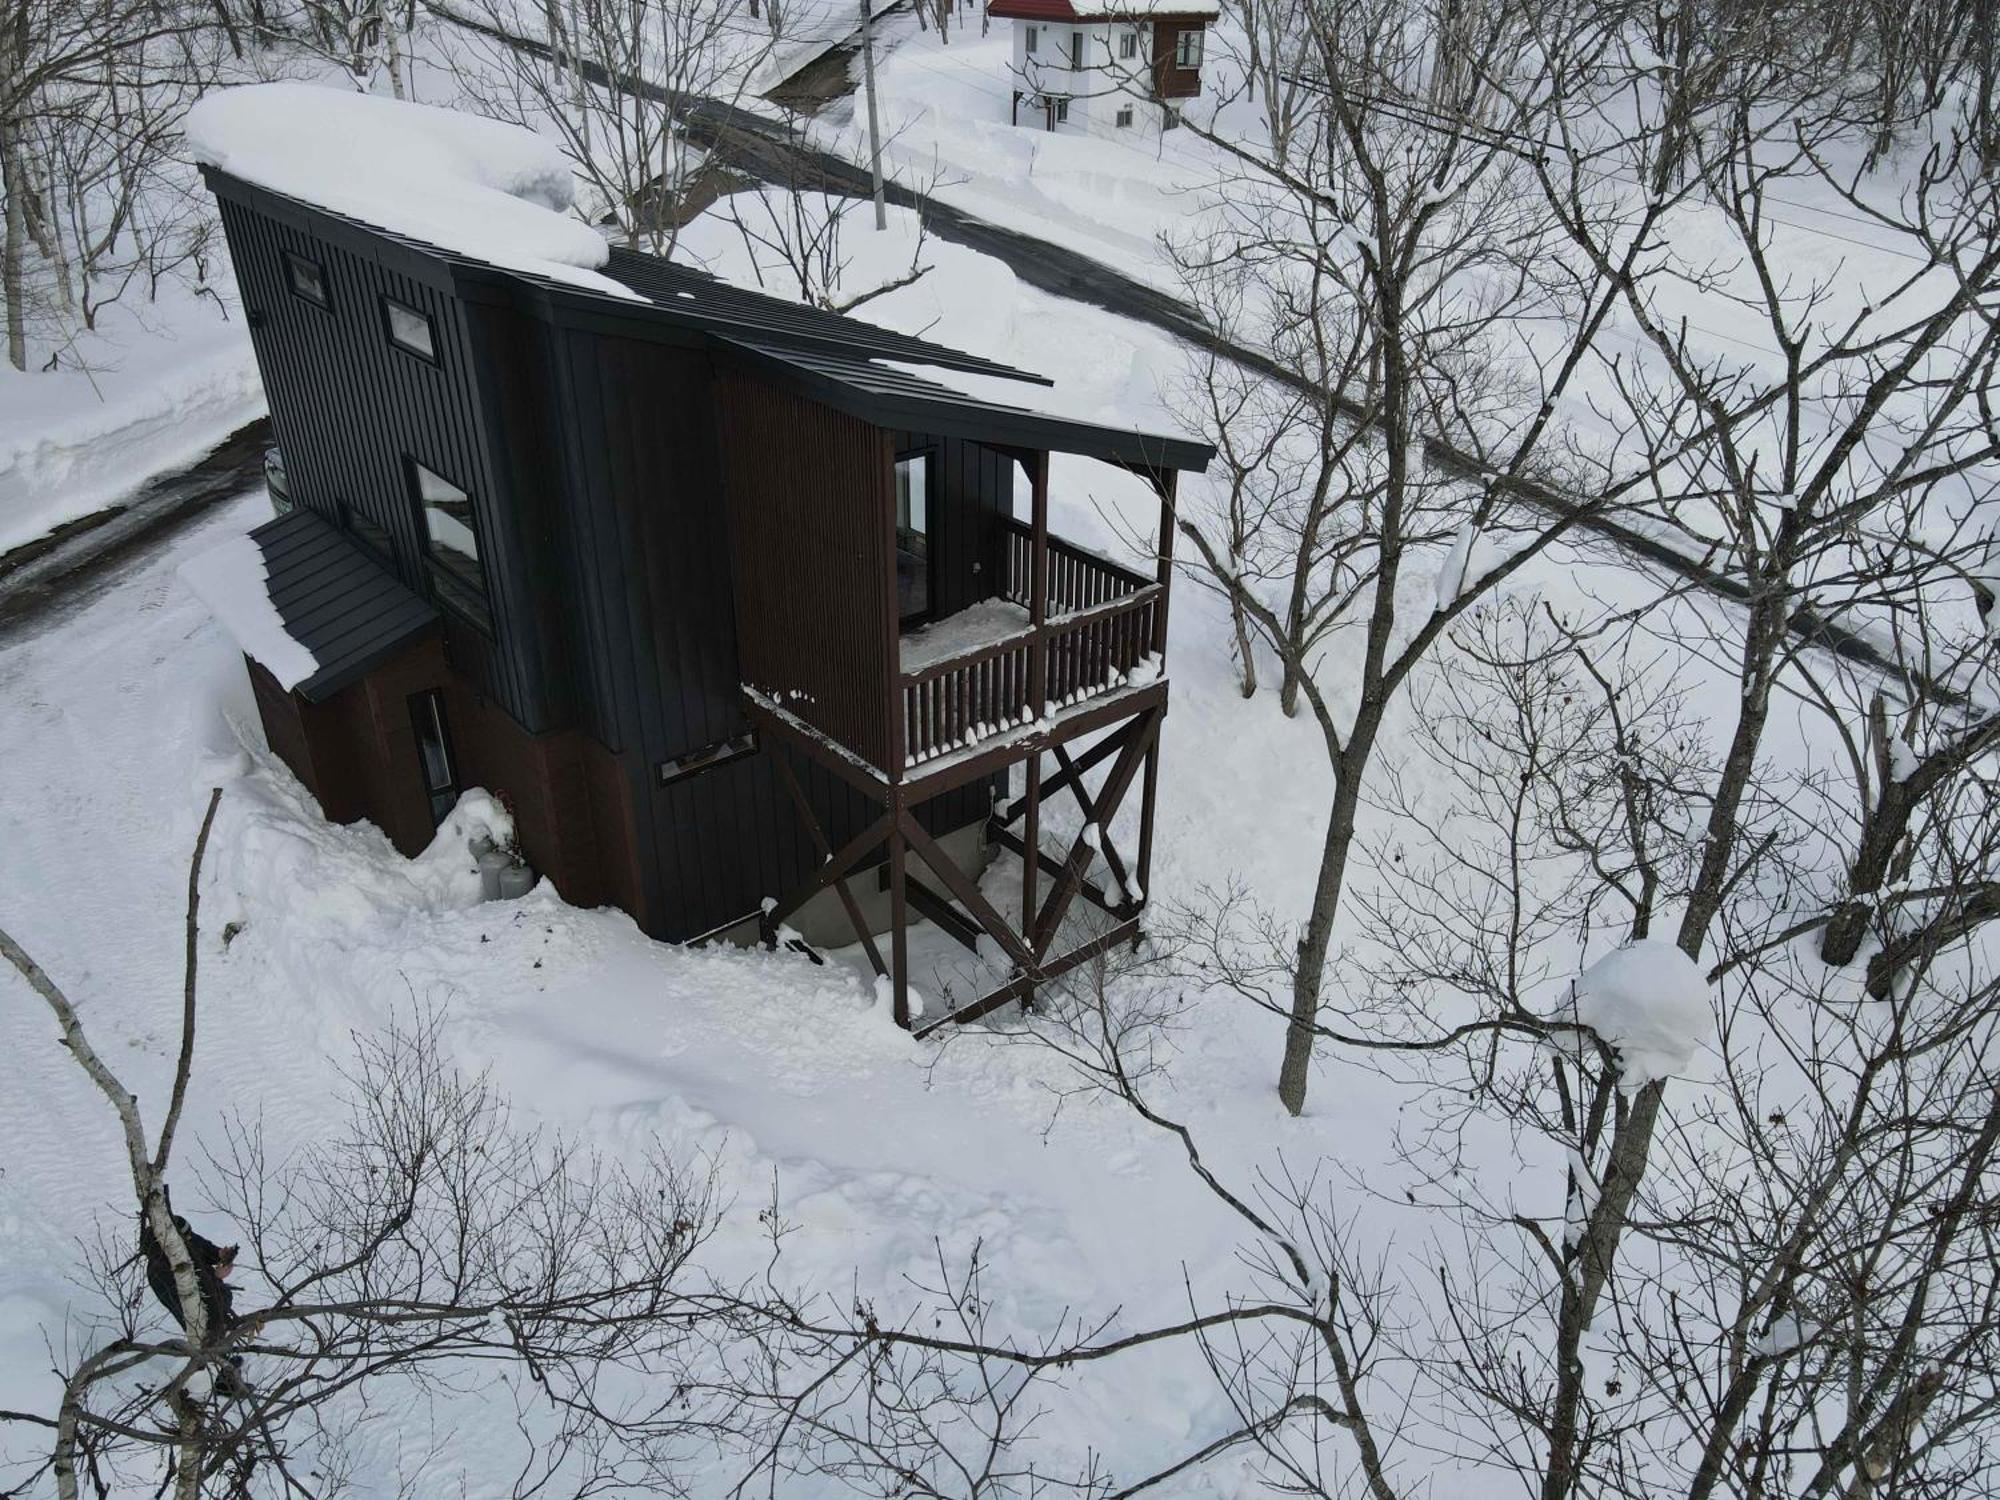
(451, 534)
(434, 763)
(913, 535)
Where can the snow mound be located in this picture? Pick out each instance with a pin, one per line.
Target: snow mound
(1649, 1003)
(230, 580)
(480, 187)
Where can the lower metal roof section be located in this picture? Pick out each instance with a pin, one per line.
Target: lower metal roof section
(342, 605)
(892, 397)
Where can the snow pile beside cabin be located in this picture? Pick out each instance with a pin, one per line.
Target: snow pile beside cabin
(480, 187)
(1648, 1002)
(232, 581)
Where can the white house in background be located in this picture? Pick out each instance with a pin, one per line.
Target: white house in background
(1105, 67)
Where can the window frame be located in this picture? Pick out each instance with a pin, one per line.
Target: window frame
(1076, 46)
(298, 266)
(928, 452)
(1062, 109)
(678, 768)
(1128, 43)
(429, 703)
(390, 307)
(470, 601)
(1123, 119)
(1188, 49)
(1028, 39)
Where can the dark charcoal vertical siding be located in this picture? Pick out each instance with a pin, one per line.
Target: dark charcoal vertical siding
(347, 406)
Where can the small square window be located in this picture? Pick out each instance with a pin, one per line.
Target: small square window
(410, 330)
(307, 280)
(1124, 115)
(708, 757)
(1128, 44)
(370, 532)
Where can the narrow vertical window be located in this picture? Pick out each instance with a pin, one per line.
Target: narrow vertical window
(451, 539)
(434, 759)
(1075, 51)
(1029, 34)
(913, 536)
(1128, 44)
(1187, 48)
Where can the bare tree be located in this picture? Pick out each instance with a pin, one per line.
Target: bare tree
(616, 82)
(432, 1237)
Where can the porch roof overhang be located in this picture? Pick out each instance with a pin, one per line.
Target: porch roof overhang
(888, 396)
(308, 604)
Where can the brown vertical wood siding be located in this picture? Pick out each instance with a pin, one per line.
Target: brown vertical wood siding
(1170, 82)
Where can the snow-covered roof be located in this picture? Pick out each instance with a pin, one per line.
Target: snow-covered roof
(1105, 10)
(479, 187)
(232, 581)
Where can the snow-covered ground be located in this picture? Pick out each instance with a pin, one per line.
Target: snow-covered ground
(119, 716)
(155, 386)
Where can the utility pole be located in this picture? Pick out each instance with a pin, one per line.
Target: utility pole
(874, 125)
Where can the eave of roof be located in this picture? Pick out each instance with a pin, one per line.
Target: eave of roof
(890, 397)
(1095, 10)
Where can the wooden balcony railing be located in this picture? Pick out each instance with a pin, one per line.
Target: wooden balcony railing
(956, 703)
(1078, 578)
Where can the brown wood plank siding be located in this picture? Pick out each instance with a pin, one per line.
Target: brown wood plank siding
(806, 489)
(1170, 82)
(348, 407)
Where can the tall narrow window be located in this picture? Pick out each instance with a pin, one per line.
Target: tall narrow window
(1187, 48)
(451, 537)
(1075, 51)
(434, 762)
(306, 279)
(913, 536)
(1062, 109)
(1028, 39)
(1128, 44)
(410, 330)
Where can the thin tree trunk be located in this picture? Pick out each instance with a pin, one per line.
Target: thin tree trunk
(14, 248)
(1295, 1071)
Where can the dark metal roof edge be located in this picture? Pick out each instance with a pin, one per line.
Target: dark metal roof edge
(954, 413)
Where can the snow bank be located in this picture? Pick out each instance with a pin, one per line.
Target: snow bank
(1649, 1003)
(231, 581)
(480, 187)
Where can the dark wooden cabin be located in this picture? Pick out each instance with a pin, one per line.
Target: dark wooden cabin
(658, 573)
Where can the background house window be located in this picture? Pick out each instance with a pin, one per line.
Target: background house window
(1062, 109)
(410, 330)
(1187, 49)
(434, 759)
(306, 279)
(708, 756)
(370, 532)
(913, 536)
(451, 536)
(1128, 44)
(1029, 36)
(1124, 115)
(1075, 51)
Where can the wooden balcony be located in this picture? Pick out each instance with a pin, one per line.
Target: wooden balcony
(1098, 632)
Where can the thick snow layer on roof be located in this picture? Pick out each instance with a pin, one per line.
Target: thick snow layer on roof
(479, 187)
(1649, 1002)
(230, 580)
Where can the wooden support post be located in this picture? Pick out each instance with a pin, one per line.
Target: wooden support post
(1166, 483)
(899, 922)
(1038, 681)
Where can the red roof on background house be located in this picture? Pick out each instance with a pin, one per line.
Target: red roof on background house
(1104, 10)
